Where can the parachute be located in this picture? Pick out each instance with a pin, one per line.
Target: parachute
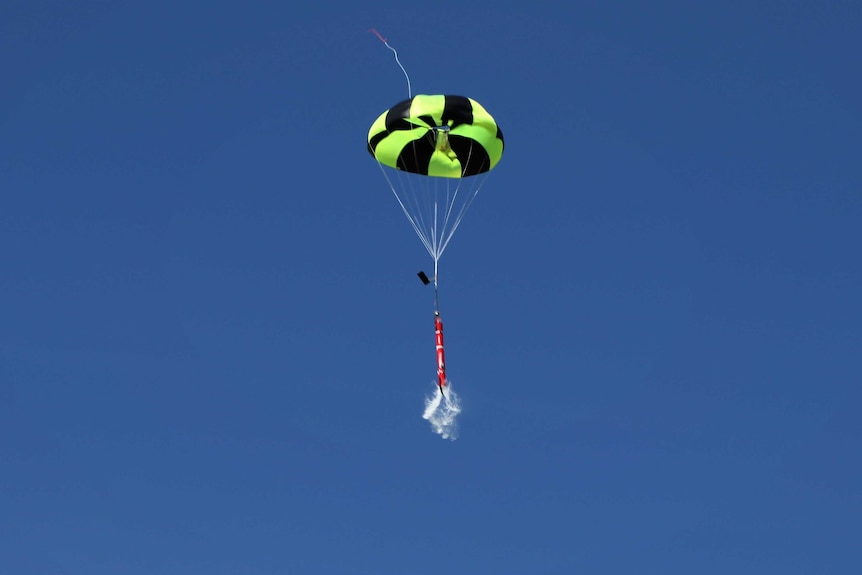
(435, 152)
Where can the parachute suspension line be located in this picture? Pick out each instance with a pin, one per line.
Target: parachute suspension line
(433, 207)
(435, 233)
(464, 206)
(436, 297)
(460, 216)
(397, 61)
(450, 205)
(407, 212)
(443, 199)
(414, 192)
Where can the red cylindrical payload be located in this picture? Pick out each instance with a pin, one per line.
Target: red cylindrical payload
(441, 362)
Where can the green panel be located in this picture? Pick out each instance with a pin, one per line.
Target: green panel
(425, 105)
(442, 166)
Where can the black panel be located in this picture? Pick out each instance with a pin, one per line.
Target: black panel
(372, 143)
(416, 156)
(472, 155)
(396, 114)
(458, 109)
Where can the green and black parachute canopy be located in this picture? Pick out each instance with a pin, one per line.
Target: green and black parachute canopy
(437, 135)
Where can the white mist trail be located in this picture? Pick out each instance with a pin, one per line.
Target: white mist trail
(441, 412)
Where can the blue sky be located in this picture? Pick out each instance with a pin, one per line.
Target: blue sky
(214, 349)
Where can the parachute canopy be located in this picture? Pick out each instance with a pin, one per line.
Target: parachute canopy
(440, 136)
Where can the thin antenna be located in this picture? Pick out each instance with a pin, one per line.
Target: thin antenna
(397, 61)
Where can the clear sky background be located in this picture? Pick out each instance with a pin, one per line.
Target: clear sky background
(214, 349)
